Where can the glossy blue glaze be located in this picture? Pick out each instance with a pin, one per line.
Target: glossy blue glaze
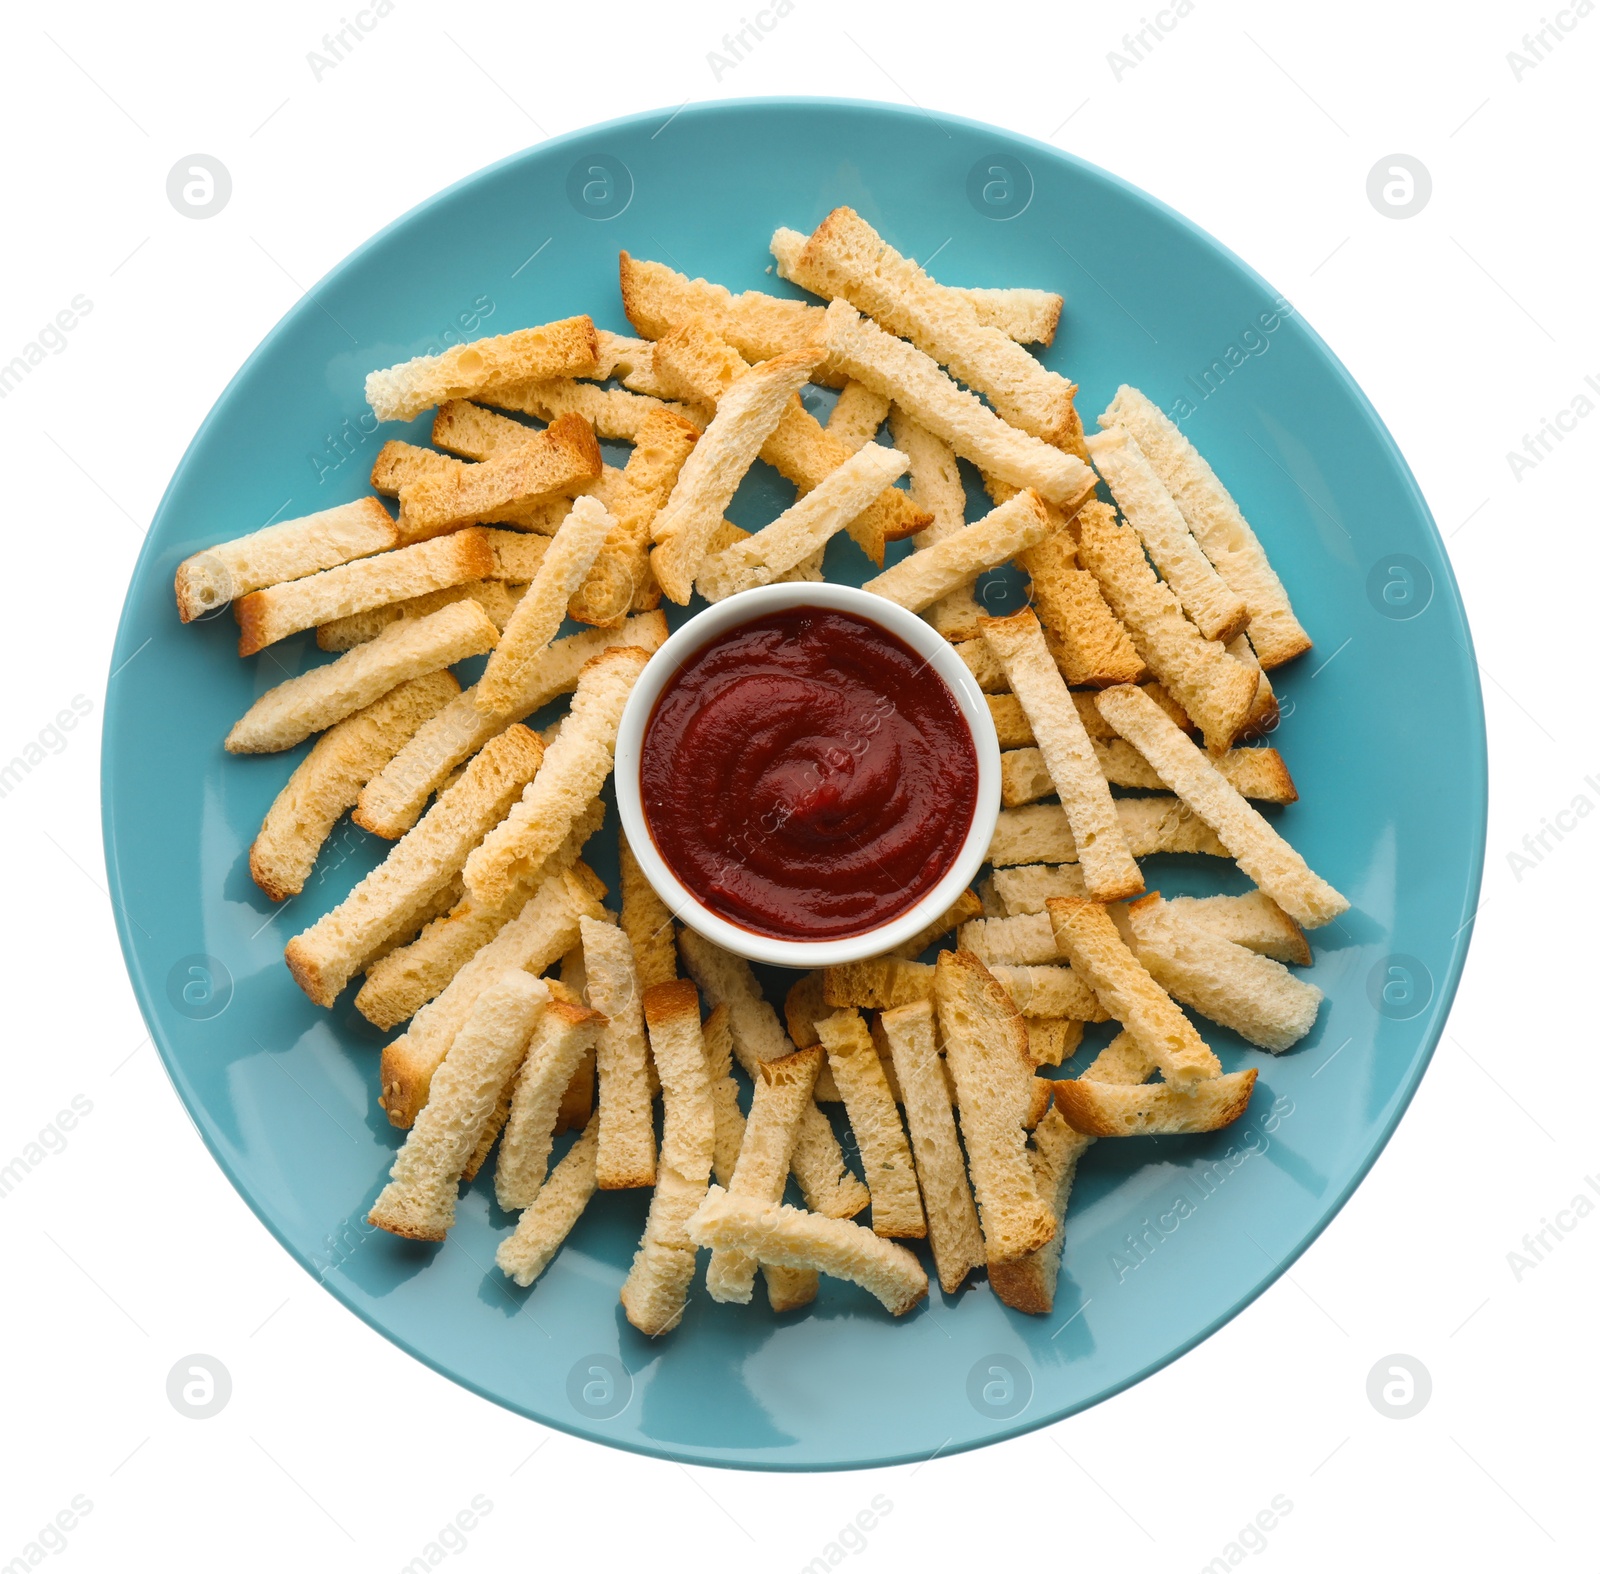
(1383, 731)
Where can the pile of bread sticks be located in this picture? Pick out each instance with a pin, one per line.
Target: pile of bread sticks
(529, 1007)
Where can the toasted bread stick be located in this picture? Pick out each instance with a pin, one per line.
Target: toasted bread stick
(557, 349)
(1160, 823)
(565, 1034)
(899, 371)
(882, 984)
(1217, 523)
(1209, 602)
(544, 930)
(1028, 1284)
(804, 1007)
(552, 463)
(291, 550)
(627, 1154)
(1024, 937)
(856, 416)
(1264, 712)
(952, 1218)
(1260, 999)
(787, 1288)
(986, 1048)
(728, 1118)
(967, 905)
(698, 364)
(916, 582)
(496, 597)
(819, 1167)
(792, 1238)
(533, 625)
(1253, 773)
(1216, 689)
(1029, 316)
(614, 413)
(1082, 633)
(782, 1096)
(420, 1199)
(982, 664)
(1253, 920)
(315, 700)
(330, 778)
(746, 416)
(936, 487)
(1020, 939)
(885, 1153)
(527, 1251)
(1258, 849)
(607, 589)
(657, 1287)
(408, 977)
(266, 616)
(1011, 722)
(400, 465)
(760, 326)
(1086, 933)
(1053, 1039)
(646, 922)
(573, 772)
(847, 258)
(1108, 868)
(803, 529)
(324, 957)
(392, 800)
(621, 579)
(1102, 1109)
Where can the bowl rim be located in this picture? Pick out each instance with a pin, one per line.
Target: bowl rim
(744, 607)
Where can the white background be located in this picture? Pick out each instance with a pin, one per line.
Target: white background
(1466, 324)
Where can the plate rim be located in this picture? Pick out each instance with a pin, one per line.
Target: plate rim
(1477, 744)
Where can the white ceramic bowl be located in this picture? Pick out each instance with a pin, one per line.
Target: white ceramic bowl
(718, 620)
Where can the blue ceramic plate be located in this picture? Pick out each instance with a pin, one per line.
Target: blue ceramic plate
(1166, 1238)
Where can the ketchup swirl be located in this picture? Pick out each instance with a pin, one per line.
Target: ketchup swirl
(808, 775)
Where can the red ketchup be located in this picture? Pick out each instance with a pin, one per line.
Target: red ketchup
(808, 775)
